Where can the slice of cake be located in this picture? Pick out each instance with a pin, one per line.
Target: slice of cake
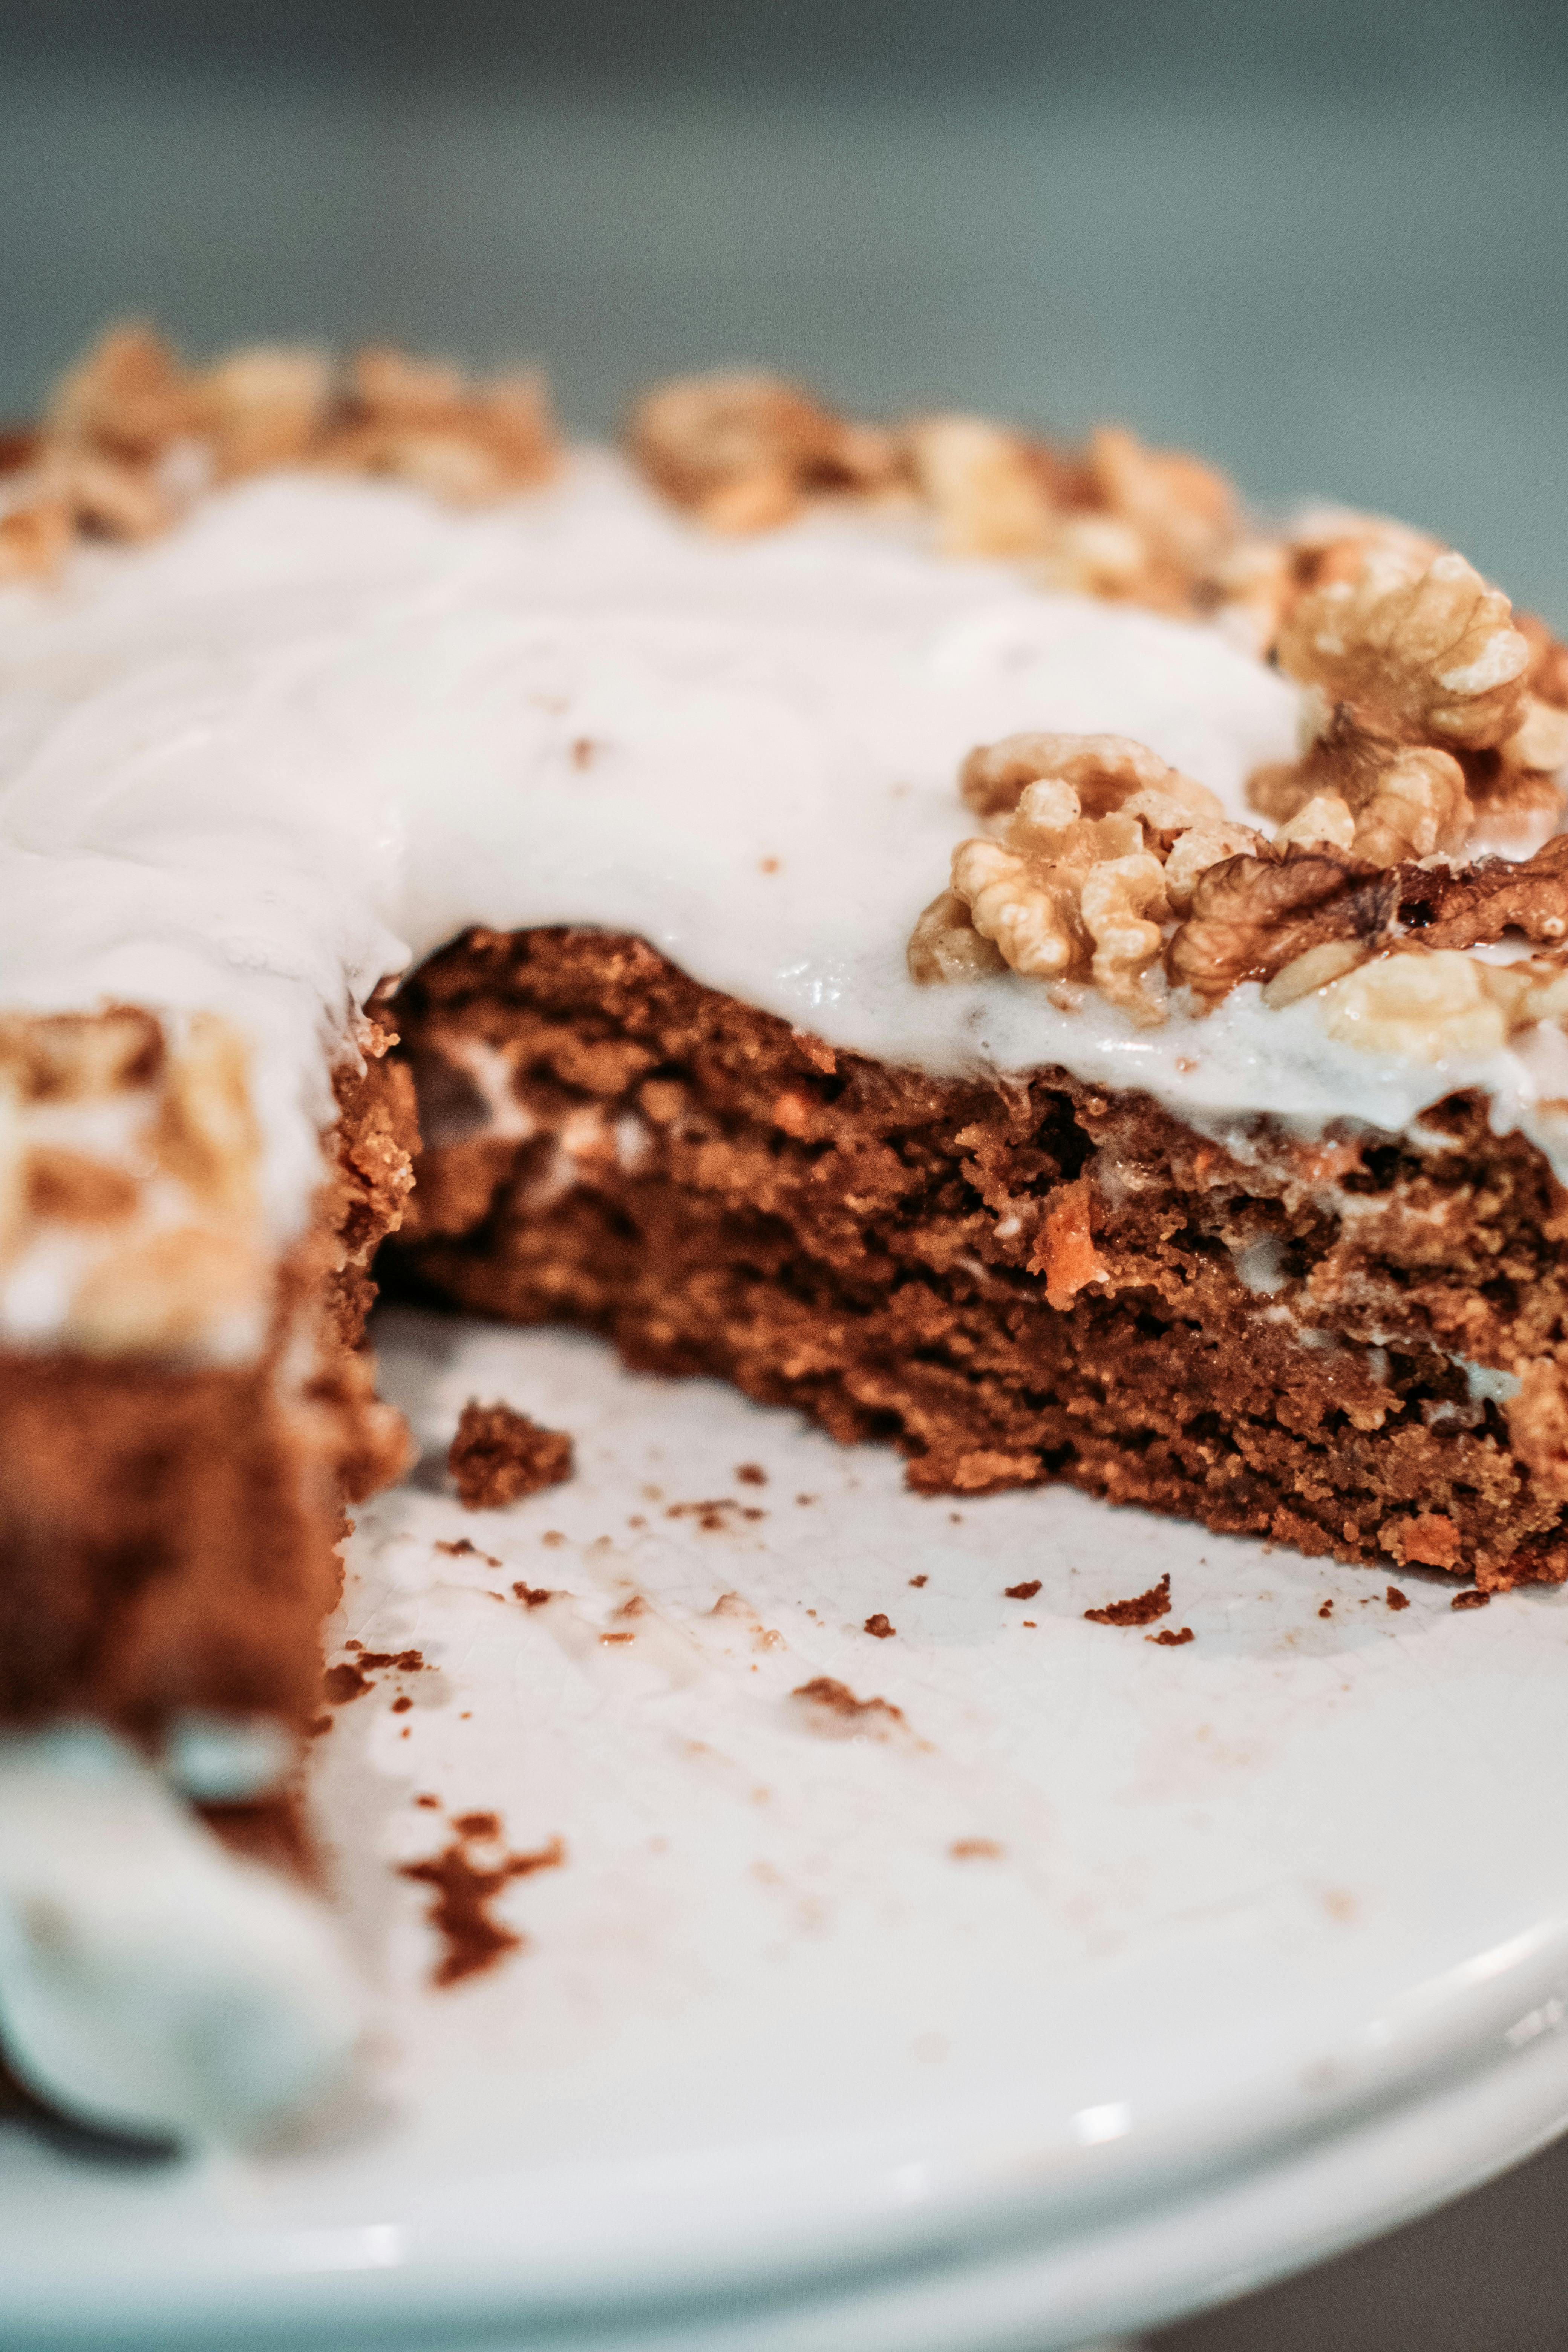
(973, 940)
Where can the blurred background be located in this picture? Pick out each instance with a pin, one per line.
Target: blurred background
(1323, 244)
(1320, 243)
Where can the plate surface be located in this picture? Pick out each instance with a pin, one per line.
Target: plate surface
(1104, 1970)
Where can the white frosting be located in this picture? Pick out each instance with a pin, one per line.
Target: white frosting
(325, 725)
(150, 1981)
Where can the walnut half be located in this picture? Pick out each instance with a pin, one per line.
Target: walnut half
(1420, 647)
(1095, 831)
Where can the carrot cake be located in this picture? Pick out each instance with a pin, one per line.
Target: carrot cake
(980, 941)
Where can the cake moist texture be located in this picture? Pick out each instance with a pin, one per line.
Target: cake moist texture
(1011, 1282)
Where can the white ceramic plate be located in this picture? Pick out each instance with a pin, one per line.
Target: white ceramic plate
(1102, 1977)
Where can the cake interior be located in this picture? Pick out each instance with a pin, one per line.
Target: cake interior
(1013, 1283)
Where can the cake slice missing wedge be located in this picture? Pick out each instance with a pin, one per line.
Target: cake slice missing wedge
(1012, 1282)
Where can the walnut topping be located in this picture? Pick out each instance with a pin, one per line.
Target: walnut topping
(989, 490)
(423, 421)
(1398, 800)
(1476, 906)
(131, 1157)
(1076, 887)
(267, 405)
(744, 450)
(131, 423)
(945, 946)
(1427, 1005)
(1104, 771)
(1420, 649)
(1252, 916)
(128, 398)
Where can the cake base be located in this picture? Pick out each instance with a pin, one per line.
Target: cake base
(1011, 1282)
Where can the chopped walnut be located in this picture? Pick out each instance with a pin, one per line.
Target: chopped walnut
(1252, 916)
(1076, 887)
(1478, 905)
(128, 398)
(137, 1152)
(35, 538)
(1184, 510)
(1325, 818)
(1123, 903)
(206, 1133)
(744, 450)
(104, 496)
(1313, 968)
(1104, 771)
(1421, 650)
(1403, 800)
(267, 405)
(425, 423)
(989, 490)
(1415, 1003)
(945, 946)
(1201, 846)
(80, 1056)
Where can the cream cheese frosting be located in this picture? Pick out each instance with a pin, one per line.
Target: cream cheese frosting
(326, 724)
(152, 1982)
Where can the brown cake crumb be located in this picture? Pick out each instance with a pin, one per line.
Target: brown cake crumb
(499, 1455)
(1167, 1640)
(1396, 1599)
(532, 1596)
(834, 1699)
(1023, 1592)
(1141, 1610)
(463, 1549)
(1471, 1599)
(916, 1583)
(352, 1678)
(751, 1474)
(1327, 1610)
(880, 1626)
(464, 1889)
(974, 1849)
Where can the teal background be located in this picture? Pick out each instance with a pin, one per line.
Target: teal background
(1324, 244)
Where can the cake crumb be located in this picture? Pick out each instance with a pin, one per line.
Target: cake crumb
(431, 1804)
(532, 1596)
(1023, 1592)
(353, 1677)
(878, 1626)
(1471, 1599)
(838, 1711)
(1167, 1640)
(463, 1549)
(401, 1702)
(974, 1849)
(916, 1581)
(751, 1474)
(1396, 1599)
(464, 1889)
(1141, 1610)
(1327, 1610)
(499, 1455)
